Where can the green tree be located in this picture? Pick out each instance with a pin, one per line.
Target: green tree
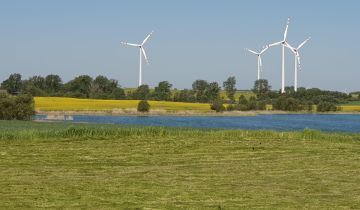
(243, 104)
(142, 93)
(162, 91)
(13, 84)
(229, 87)
(53, 83)
(185, 96)
(212, 92)
(261, 87)
(79, 87)
(118, 94)
(102, 87)
(199, 87)
(143, 106)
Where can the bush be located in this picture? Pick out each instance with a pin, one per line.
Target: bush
(16, 108)
(230, 108)
(143, 106)
(217, 106)
(326, 107)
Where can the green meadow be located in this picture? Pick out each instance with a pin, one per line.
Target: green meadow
(84, 166)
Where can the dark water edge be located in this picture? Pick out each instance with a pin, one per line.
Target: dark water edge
(283, 122)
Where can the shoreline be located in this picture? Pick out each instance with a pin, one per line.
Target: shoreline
(185, 113)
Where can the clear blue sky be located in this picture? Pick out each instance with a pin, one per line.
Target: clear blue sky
(192, 40)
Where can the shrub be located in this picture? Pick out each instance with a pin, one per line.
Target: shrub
(218, 106)
(143, 106)
(16, 107)
(326, 107)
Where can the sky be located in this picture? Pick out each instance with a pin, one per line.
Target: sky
(202, 39)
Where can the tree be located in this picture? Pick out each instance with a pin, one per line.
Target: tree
(79, 87)
(185, 96)
(243, 104)
(19, 107)
(261, 87)
(229, 86)
(162, 91)
(102, 87)
(13, 84)
(53, 83)
(217, 105)
(199, 87)
(118, 94)
(142, 93)
(143, 106)
(212, 92)
(38, 82)
(326, 107)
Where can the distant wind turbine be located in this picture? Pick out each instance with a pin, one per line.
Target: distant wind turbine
(297, 60)
(259, 61)
(142, 53)
(283, 43)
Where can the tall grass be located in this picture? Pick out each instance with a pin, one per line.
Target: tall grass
(71, 131)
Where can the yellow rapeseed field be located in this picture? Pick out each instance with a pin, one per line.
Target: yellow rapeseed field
(73, 104)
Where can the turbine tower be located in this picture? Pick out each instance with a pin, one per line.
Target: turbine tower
(259, 61)
(283, 43)
(297, 60)
(142, 53)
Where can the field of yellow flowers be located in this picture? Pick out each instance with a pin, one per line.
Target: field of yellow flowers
(73, 104)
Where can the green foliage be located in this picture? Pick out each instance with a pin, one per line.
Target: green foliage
(185, 96)
(19, 107)
(13, 84)
(199, 87)
(143, 106)
(218, 106)
(162, 91)
(326, 107)
(141, 93)
(229, 87)
(79, 87)
(261, 87)
(212, 92)
(53, 83)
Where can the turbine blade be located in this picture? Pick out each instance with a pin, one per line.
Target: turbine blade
(145, 40)
(253, 52)
(290, 47)
(265, 48)
(304, 42)
(130, 44)
(274, 44)
(143, 52)
(286, 29)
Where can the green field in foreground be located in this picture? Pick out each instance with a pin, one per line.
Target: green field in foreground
(79, 166)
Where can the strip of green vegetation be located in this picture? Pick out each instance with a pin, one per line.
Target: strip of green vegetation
(60, 165)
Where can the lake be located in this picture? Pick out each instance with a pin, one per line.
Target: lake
(281, 122)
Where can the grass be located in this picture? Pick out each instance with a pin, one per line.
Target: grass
(80, 166)
(73, 104)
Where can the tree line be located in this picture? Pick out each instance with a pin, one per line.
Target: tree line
(201, 91)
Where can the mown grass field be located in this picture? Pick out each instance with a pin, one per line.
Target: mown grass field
(73, 104)
(76, 166)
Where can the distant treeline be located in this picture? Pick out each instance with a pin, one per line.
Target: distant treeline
(201, 91)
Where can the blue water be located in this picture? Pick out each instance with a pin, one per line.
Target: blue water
(290, 122)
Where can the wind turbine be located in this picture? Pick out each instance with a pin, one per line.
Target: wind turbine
(142, 53)
(283, 43)
(297, 59)
(259, 61)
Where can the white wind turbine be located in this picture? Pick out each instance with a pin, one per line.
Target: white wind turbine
(259, 61)
(297, 60)
(283, 43)
(142, 53)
